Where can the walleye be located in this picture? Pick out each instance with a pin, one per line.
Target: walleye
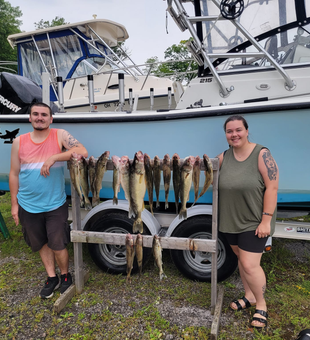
(149, 179)
(167, 178)
(157, 253)
(130, 255)
(91, 172)
(196, 176)
(125, 174)
(139, 252)
(137, 190)
(116, 177)
(101, 168)
(176, 179)
(83, 170)
(208, 173)
(186, 183)
(74, 165)
(156, 174)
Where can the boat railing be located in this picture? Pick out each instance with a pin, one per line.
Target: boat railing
(5, 66)
(199, 50)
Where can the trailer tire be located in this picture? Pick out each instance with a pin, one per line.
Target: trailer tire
(197, 265)
(112, 258)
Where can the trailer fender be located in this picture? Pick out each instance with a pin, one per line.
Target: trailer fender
(148, 219)
(194, 211)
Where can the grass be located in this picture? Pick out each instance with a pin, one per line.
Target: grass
(108, 308)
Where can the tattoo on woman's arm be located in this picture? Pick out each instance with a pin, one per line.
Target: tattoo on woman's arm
(270, 165)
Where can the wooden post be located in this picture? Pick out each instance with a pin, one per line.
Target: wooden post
(214, 236)
(77, 247)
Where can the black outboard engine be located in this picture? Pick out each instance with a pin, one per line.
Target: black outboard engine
(304, 335)
(18, 93)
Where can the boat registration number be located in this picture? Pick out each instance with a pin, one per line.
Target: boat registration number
(303, 230)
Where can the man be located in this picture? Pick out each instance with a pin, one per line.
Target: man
(38, 193)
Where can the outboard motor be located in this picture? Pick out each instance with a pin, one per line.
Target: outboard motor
(18, 93)
(304, 335)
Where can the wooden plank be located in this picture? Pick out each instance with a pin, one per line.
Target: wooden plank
(217, 314)
(64, 298)
(166, 242)
(214, 237)
(77, 247)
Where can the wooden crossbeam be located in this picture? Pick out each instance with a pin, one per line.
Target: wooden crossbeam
(178, 243)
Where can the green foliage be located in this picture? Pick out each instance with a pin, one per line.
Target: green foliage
(176, 63)
(57, 21)
(9, 24)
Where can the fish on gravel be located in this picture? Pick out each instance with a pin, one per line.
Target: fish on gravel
(149, 179)
(157, 253)
(125, 174)
(130, 255)
(176, 179)
(139, 252)
(208, 174)
(91, 172)
(186, 183)
(83, 169)
(116, 178)
(137, 187)
(167, 178)
(196, 176)
(101, 168)
(74, 165)
(156, 174)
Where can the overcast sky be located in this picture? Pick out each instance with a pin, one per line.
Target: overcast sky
(145, 20)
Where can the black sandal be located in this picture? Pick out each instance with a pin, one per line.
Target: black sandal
(239, 307)
(264, 321)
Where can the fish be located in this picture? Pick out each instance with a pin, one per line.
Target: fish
(167, 178)
(91, 172)
(156, 174)
(137, 187)
(208, 174)
(196, 176)
(176, 179)
(74, 165)
(185, 184)
(157, 253)
(116, 177)
(101, 168)
(149, 179)
(130, 255)
(139, 252)
(125, 174)
(83, 169)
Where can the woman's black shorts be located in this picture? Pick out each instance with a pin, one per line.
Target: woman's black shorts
(247, 241)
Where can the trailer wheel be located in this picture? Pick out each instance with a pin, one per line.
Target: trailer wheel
(110, 257)
(197, 265)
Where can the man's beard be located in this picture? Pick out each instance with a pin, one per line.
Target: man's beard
(40, 128)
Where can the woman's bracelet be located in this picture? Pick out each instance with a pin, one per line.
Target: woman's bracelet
(264, 213)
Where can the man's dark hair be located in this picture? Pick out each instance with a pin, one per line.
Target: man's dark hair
(41, 105)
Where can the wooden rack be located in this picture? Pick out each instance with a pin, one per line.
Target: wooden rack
(78, 236)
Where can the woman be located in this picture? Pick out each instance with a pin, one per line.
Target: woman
(248, 185)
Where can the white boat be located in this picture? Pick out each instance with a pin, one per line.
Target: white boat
(254, 60)
(74, 51)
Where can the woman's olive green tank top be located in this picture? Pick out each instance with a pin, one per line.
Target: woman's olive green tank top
(241, 193)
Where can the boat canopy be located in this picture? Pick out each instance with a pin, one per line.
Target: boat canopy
(68, 51)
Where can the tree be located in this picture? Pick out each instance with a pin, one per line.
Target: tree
(177, 63)
(9, 24)
(55, 22)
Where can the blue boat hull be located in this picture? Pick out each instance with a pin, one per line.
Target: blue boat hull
(284, 130)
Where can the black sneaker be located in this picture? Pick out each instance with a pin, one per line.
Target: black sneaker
(65, 282)
(51, 284)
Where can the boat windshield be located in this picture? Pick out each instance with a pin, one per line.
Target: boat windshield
(274, 24)
(66, 56)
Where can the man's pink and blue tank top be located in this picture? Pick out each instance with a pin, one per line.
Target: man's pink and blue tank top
(37, 193)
